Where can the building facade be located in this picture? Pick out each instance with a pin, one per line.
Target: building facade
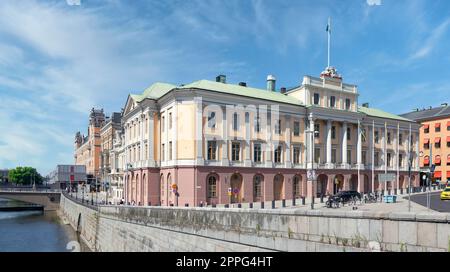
(88, 148)
(214, 142)
(4, 175)
(68, 176)
(434, 140)
(107, 136)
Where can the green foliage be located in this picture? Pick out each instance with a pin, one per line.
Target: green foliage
(25, 176)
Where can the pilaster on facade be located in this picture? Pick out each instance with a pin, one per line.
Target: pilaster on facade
(328, 145)
(344, 145)
(287, 139)
(199, 131)
(226, 117)
(248, 158)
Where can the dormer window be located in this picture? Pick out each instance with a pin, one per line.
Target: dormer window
(332, 102)
(316, 99)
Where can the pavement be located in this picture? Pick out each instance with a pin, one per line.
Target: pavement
(436, 203)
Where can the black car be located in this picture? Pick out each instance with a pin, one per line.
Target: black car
(347, 196)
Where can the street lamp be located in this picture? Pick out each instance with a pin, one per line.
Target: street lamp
(311, 175)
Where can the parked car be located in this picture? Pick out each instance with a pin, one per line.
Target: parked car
(347, 196)
(445, 195)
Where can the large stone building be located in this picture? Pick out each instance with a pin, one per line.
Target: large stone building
(434, 140)
(68, 176)
(215, 142)
(107, 134)
(88, 148)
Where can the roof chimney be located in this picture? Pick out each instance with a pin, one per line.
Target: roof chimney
(243, 84)
(221, 79)
(271, 83)
(283, 90)
(365, 105)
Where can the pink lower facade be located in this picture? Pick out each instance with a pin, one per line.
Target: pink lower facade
(192, 186)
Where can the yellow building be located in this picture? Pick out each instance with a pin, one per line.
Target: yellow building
(214, 142)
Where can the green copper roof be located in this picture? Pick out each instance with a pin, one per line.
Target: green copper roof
(155, 91)
(243, 91)
(382, 114)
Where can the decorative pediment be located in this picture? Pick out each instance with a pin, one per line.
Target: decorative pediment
(130, 104)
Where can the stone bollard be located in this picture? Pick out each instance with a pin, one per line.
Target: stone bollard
(283, 203)
(273, 204)
(250, 205)
(303, 200)
(262, 204)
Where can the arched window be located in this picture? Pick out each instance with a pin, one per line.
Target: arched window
(296, 187)
(257, 186)
(212, 187)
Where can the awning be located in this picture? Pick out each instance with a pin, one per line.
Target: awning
(437, 160)
(426, 126)
(448, 123)
(448, 174)
(437, 140)
(437, 174)
(448, 139)
(437, 125)
(426, 141)
(426, 160)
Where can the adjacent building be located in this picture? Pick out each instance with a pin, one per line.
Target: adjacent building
(88, 148)
(4, 175)
(214, 142)
(107, 135)
(68, 176)
(434, 140)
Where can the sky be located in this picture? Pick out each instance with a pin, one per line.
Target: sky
(60, 58)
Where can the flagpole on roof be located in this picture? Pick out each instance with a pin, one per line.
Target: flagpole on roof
(329, 39)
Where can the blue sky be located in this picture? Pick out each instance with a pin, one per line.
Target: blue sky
(57, 60)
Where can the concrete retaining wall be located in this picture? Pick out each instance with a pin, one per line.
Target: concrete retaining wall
(121, 228)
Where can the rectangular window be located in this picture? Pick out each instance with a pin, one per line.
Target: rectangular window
(235, 151)
(212, 149)
(388, 158)
(333, 132)
(317, 155)
(426, 129)
(257, 152)
(349, 134)
(170, 151)
(235, 121)
(296, 128)
(389, 138)
(317, 129)
(316, 99)
(377, 138)
(364, 157)
(163, 152)
(163, 123)
(296, 154)
(400, 160)
(257, 122)
(212, 187)
(278, 127)
(332, 102)
(349, 156)
(437, 144)
(437, 127)
(170, 120)
(277, 154)
(400, 139)
(347, 104)
(377, 159)
(212, 120)
(333, 155)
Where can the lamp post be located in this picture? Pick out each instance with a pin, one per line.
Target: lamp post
(311, 175)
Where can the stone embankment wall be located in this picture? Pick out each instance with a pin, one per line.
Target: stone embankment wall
(121, 228)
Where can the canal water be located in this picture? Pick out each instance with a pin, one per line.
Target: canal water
(35, 231)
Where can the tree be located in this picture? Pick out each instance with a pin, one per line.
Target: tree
(25, 176)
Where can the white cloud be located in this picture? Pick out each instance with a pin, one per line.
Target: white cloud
(431, 41)
(374, 2)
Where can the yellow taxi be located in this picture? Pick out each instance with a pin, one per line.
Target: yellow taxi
(445, 195)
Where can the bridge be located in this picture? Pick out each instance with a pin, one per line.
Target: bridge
(48, 198)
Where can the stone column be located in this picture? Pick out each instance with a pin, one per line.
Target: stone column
(199, 130)
(141, 140)
(359, 146)
(151, 140)
(175, 133)
(344, 144)
(329, 143)
(248, 159)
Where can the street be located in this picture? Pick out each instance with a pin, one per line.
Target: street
(436, 203)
